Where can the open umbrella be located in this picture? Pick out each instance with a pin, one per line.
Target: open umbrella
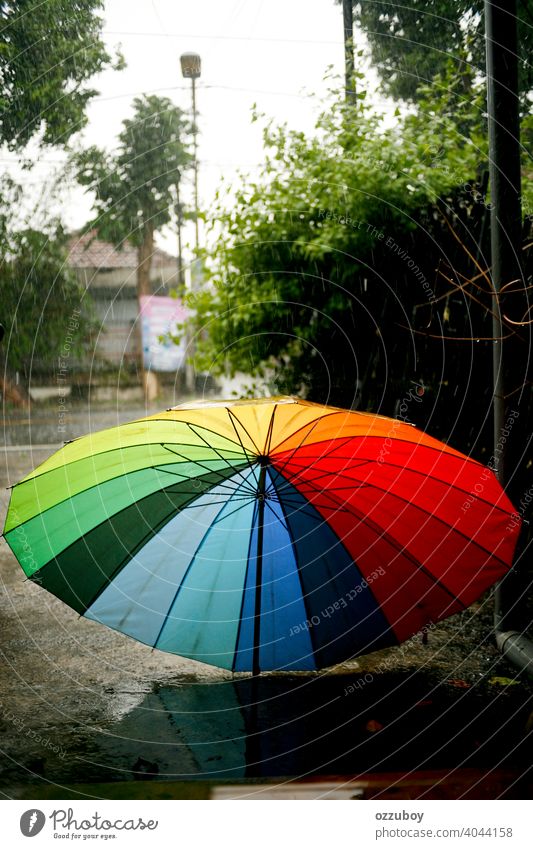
(260, 535)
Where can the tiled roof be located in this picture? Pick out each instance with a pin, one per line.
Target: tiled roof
(86, 251)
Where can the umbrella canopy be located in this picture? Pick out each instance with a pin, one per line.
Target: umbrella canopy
(261, 535)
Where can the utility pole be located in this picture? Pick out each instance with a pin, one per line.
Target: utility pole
(179, 222)
(349, 63)
(195, 153)
(506, 245)
(505, 183)
(191, 68)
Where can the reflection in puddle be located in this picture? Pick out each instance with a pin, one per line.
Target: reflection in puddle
(293, 726)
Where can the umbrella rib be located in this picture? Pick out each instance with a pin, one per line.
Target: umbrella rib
(416, 471)
(128, 556)
(206, 468)
(195, 506)
(316, 462)
(275, 514)
(220, 455)
(448, 452)
(116, 477)
(335, 472)
(152, 531)
(270, 431)
(316, 489)
(302, 510)
(245, 498)
(302, 427)
(223, 478)
(314, 424)
(343, 440)
(242, 446)
(182, 421)
(108, 451)
(86, 489)
(347, 488)
(232, 416)
(396, 544)
(185, 574)
(355, 484)
(406, 501)
(352, 563)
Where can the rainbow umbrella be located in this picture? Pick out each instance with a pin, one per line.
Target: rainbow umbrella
(261, 535)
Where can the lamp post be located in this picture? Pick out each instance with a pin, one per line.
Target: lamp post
(191, 68)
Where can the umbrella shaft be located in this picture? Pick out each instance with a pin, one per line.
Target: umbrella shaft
(259, 568)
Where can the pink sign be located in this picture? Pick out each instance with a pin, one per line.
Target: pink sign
(161, 317)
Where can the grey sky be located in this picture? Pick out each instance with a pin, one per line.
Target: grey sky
(274, 53)
(271, 53)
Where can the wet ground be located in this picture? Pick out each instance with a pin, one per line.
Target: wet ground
(84, 707)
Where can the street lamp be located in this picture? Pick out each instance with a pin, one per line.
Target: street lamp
(191, 68)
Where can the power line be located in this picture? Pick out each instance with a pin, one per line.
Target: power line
(204, 87)
(336, 42)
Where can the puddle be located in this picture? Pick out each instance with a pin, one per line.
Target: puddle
(295, 726)
(291, 726)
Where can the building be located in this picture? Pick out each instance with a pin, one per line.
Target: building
(110, 276)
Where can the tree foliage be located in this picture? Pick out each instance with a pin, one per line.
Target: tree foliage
(410, 42)
(342, 271)
(48, 52)
(45, 311)
(135, 186)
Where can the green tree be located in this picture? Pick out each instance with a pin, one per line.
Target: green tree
(135, 187)
(302, 258)
(342, 271)
(410, 42)
(48, 52)
(46, 313)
